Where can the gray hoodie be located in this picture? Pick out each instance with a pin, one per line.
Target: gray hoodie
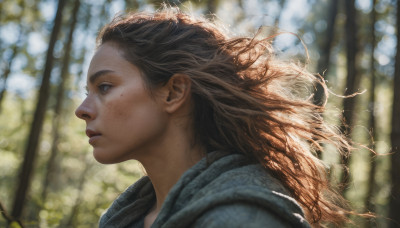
(219, 191)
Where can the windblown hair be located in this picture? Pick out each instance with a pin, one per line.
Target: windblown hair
(245, 100)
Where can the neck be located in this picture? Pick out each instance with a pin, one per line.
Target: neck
(166, 165)
(164, 176)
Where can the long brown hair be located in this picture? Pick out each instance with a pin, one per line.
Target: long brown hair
(245, 100)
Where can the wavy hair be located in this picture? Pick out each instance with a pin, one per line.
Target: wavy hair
(245, 99)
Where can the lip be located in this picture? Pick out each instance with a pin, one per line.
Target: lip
(93, 135)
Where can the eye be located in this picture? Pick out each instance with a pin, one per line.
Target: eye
(103, 88)
(86, 90)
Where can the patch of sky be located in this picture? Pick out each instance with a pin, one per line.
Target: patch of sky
(285, 44)
(386, 47)
(116, 7)
(39, 62)
(21, 84)
(390, 29)
(308, 37)
(48, 9)
(294, 11)
(36, 43)
(259, 13)
(382, 59)
(146, 7)
(75, 69)
(6, 55)
(9, 33)
(381, 26)
(363, 5)
(19, 63)
(55, 75)
(382, 5)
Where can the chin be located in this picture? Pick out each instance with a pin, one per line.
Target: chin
(104, 157)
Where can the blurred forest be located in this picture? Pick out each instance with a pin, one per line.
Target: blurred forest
(48, 177)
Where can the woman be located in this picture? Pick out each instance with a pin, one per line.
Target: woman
(226, 133)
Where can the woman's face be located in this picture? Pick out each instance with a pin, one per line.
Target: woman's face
(123, 121)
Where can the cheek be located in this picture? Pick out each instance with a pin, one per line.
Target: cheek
(122, 106)
(133, 112)
(115, 111)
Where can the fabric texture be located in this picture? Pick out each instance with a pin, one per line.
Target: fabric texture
(219, 191)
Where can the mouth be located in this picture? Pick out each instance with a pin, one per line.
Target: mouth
(91, 133)
(93, 136)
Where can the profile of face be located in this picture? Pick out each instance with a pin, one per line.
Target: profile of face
(123, 120)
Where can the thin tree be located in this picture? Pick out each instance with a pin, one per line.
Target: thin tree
(72, 218)
(51, 164)
(325, 53)
(275, 29)
(394, 205)
(372, 125)
(130, 5)
(2, 14)
(8, 217)
(211, 6)
(352, 84)
(278, 17)
(25, 174)
(326, 47)
(14, 51)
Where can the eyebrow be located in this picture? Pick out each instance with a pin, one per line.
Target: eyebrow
(98, 74)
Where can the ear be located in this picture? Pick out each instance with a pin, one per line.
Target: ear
(177, 91)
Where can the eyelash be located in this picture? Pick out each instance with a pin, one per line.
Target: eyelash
(103, 88)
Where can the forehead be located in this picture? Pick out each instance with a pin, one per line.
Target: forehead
(105, 54)
(109, 58)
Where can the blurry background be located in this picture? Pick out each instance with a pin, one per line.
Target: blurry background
(48, 177)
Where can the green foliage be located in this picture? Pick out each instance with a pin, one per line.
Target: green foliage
(15, 225)
(101, 184)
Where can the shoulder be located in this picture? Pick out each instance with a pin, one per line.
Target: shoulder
(248, 196)
(250, 181)
(130, 205)
(230, 192)
(239, 215)
(247, 206)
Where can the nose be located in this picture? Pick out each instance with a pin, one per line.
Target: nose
(85, 111)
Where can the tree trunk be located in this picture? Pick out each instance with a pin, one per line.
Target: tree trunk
(278, 17)
(131, 5)
(7, 217)
(371, 177)
(59, 102)
(352, 84)
(1, 19)
(82, 54)
(25, 175)
(211, 7)
(324, 60)
(71, 221)
(7, 70)
(394, 205)
(10, 61)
